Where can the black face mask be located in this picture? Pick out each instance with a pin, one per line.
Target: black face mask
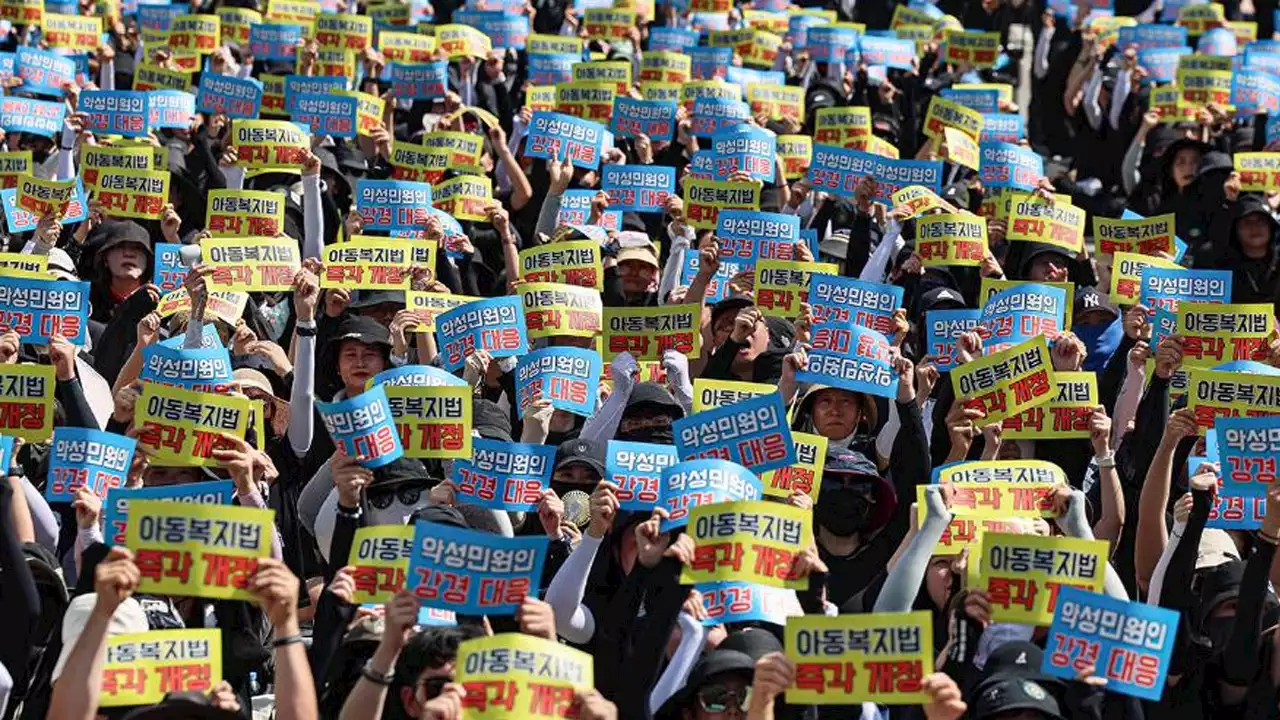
(656, 435)
(843, 511)
(1218, 630)
(39, 156)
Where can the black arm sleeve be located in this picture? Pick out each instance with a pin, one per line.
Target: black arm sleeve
(1240, 661)
(662, 604)
(71, 395)
(909, 464)
(1176, 593)
(19, 600)
(344, 534)
(719, 366)
(331, 619)
(1111, 380)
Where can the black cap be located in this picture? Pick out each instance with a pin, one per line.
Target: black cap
(581, 452)
(732, 303)
(365, 329)
(957, 194)
(490, 420)
(369, 298)
(1018, 658)
(1004, 694)
(1088, 299)
(753, 642)
(183, 706)
(1218, 584)
(935, 298)
(653, 395)
(118, 232)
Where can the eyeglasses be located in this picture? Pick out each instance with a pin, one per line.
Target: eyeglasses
(718, 698)
(407, 495)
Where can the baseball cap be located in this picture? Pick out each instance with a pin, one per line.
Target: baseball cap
(370, 298)
(581, 452)
(1005, 694)
(1088, 299)
(127, 619)
(365, 329)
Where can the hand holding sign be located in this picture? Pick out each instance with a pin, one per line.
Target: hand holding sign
(277, 589)
(114, 581)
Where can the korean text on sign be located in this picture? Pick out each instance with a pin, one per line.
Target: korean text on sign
(380, 559)
(879, 657)
(116, 508)
(26, 401)
(38, 310)
(751, 540)
(495, 325)
(142, 668)
(473, 572)
(1247, 452)
(852, 358)
(1008, 382)
(183, 427)
(363, 427)
(753, 433)
(1023, 574)
(208, 551)
(502, 475)
(82, 457)
(513, 676)
(691, 483)
(432, 421)
(636, 468)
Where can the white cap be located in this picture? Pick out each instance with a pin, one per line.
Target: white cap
(61, 266)
(128, 618)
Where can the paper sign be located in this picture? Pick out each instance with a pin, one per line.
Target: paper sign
(275, 41)
(83, 457)
(191, 550)
(182, 428)
(379, 560)
(943, 329)
(1259, 171)
(44, 72)
(840, 171)
(1021, 313)
(852, 358)
(115, 112)
(1247, 447)
(694, 483)
(804, 475)
(513, 676)
(473, 572)
(752, 433)
(1023, 574)
(201, 369)
(976, 49)
(116, 507)
(495, 325)
(951, 239)
(568, 377)
(712, 394)
(757, 541)
(1217, 393)
(133, 193)
(228, 95)
(142, 668)
(837, 299)
(647, 332)
(420, 81)
(1068, 415)
(363, 427)
(504, 476)
(170, 109)
(270, 144)
(880, 658)
(252, 264)
(245, 213)
(739, 602)
(392, 204)
(1033, 219)
(654, 118)
(638, 188)
(1008, 382)
(556, 136)
(636, 468)
(26, 401)
(1213, 333)
(39, 309)
(20, 114)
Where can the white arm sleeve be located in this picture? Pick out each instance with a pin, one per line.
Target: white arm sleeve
(302, 398)
(312, 217)
(1162, 565)
(692, 635)
(574, 621)
(234, 176)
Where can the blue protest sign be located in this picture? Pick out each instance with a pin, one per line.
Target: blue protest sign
(744, 76)
(38, 117)
(44, 72)
(295, 85)
(116, 506)
(495, 325)
(711, 115)
(702, 482)
(420, 81)
(1002, 127)
(274, 41)
(39, 309)
(636, 468)
(842, 300)
(1152, 36)
(710, 63)
(851, 358)
(556, 136)
(392, 204)
(655, 118)
(986, 101)
(1253, 60)
(798, 28)
(8, 61)
(1006, 165)
(473, 572)
(416, 376)
(1218, 41)
(80, 457)
(1013, 316)
(943, 329)
(505, 30)
(159, 17)
(638, 188)
(808, 236)
(1247, 450)
(552, 68)
(750, 235)
(168, 272)
(6, 452)
(1164, 288)
(575, 209)
(745, 148)
(828, 43)
(208, 339)
(672, 38)
(116, 112)
(752, 433)
(502, 475)
(363, 427)
(701, 166)
(735, 602)
(567, 376)
(1255, 91)
(170, 109)
(1127, 643)
(889, 52)
(229, 95)
(839, 171)
(203, 369)
(1161, 63)
(334, 115)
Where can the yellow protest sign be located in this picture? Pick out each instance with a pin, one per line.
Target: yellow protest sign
(12, 166)
(1246, 31)
(26, 401)
(586, 100)
(393, 14)
(22, 12)
(1213, 333)
(331, 63)
(542, 44)
(943, 113)
(646, 332)
(513, 676)
(406, 47)
(96, 159)
(552, 309)
(44, 197)
(1201, 17)
(873, 145)
(664, 66)
(236, 22)
(1023, 573)
(433, 422)
(880, 658)
(225, 306)
(252, 264)
(72, 31)
(133, 193)
(149, 76)
(182, 428)
(196, 34)
(302, 12)
(615, 73)
(795, 152)
(1034, 219)
(417, 163)
(1008, 382)
(343, 32)
(904, 15)
(1205, 87)
(976, 49)
(272, 94)
(610, 24)
(194, 550)
(781, 286)
(918, 199)
(375, 263)
(1167, 100)
(141, 668)
(690, 92)
(653, 90)
(1219, 393)
(778, 102)
(540, 98)
(704, 199)
(805, 475)
(1126, 275)
(1146, 236)
(839, 125)
(1259, 171)
(1010, 471)
(459, 41)
(752, 540)
(571, 263)
(244, 213)
(379, 560)
(431, 305)
(24, 265)
(961, 149)
(951, 239)
(269, 144)
(369, 109)
(465, 197)
(463, 148)
(711, 394)
(1068, 415)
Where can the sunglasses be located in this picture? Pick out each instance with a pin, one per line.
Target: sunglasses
(718, 698)
(433, 686)
(406, 494)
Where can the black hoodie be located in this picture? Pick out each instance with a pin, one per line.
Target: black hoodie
(1252, 280)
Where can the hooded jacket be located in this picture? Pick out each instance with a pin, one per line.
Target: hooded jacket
(1253, 280)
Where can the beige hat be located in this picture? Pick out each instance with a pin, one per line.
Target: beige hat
(644, 254)
(127, 619)
(1216, 548)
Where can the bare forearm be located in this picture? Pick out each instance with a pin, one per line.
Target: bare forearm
(367, 698)
(77, 688)
(1152, 533)
(1112, 520)
(295, 688)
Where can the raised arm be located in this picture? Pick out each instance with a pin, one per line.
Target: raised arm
(302, 398)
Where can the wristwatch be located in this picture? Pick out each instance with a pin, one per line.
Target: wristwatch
(372, 675)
